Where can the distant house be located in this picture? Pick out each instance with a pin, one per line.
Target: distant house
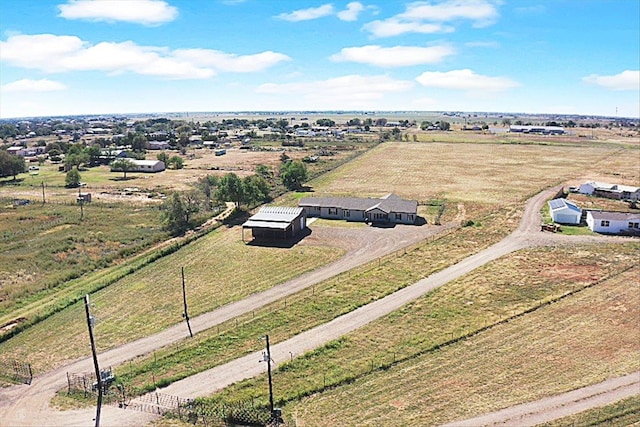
(276, 223)
(543, 130)
(614, 222)
(26, 152)
(157, 145)
(389, 209)
(143, 166)
(611, 191)
(564, 211)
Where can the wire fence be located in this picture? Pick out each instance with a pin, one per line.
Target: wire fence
(16, 371)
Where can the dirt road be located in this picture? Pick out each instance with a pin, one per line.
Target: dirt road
(562, 405)
(22, 405)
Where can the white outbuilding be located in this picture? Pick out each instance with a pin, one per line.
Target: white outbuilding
(564, 211)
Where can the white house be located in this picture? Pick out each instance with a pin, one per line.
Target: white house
(614, 222)
(564, 211)
(142, 166)
(612, 191)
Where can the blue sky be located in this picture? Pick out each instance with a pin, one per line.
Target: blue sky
(63, 57)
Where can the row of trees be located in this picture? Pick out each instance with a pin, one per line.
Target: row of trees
(188, 209)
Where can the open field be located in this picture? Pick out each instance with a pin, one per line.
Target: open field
(45, 246)
(530, 355)
(491, 193)
(219, 268)
(475, 178)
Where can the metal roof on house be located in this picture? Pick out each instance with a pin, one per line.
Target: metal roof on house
(276, 214)
(615, 216)
(557, 204)
(389, 203)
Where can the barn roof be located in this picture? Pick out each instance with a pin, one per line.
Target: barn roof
(273, 217)
(276, 213)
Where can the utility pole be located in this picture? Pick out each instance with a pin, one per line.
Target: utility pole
(184, 298)
(267, 358)
(43, 199)
(90, 322)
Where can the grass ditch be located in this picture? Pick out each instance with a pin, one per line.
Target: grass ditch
(438, 321)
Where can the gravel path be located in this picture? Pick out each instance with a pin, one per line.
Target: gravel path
(21, 405)
(562, 405)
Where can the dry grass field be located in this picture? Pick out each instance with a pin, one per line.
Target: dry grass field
(475, 178)
(219, 268)
(583, 338)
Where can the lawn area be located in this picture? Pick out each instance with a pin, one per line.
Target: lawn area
(219, 269)
(522, 335)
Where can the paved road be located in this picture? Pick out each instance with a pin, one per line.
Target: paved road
(29, 405)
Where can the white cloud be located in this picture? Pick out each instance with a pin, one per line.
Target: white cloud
(397, 56)
(351, 12)
(428, 18)
(51, 53)
(29, 85)
(308, 14)
(394, 27)
(481, 12)
(351, 91)
(626, 80)
(465, 80)
(145, 12)
(231, 62)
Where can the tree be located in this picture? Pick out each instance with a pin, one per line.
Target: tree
(444, 125)
(139, 143)
(256, 189)
(325, 122)
(94, 153)
(174, 215)
(72, 180)
(293, 174)
(163, 157)
(176, 162)
(123, 164)
(75, 159)
(230, 188)
(11, 165)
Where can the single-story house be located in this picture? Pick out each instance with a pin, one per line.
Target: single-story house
(143, 166)
(388, 209)
(157, 145)
(614, 222)
(276, 223)
(564, 211)
(26, 152)
(544, 130)
(611, 191)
